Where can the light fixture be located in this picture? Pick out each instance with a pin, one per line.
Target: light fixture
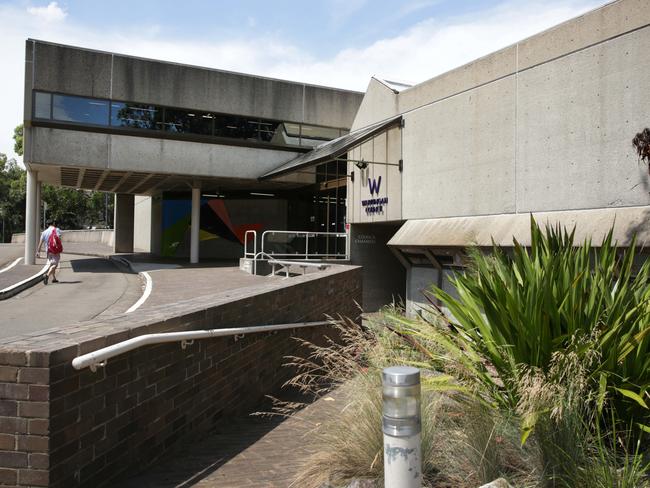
(213, 195)
(361, 164)
(263, 194)
(402, 426)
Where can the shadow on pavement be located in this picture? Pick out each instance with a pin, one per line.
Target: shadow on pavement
(194, 460)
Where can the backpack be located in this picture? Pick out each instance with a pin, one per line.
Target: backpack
(54, 245)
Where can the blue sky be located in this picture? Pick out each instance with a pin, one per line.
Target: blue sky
(338, 43)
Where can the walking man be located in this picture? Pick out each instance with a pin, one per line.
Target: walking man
(51, 237)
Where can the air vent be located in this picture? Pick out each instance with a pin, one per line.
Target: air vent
(69, 176)
(91, 178)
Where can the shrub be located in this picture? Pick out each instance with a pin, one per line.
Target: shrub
(520, 308)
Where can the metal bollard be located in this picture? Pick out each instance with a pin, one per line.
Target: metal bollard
(402, 425)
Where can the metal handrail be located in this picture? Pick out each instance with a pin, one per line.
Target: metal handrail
(246, 253)
(307, 235)
(101, 356)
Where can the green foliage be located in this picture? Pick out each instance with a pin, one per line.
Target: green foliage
(12, 197)
(521, 308)
(18, 139)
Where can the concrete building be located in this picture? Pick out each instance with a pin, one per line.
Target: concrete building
(177, 145)
(543, 126)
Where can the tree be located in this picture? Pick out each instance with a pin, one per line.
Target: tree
(12, 197)
(18, 140)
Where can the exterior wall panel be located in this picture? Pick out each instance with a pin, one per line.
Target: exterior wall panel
(459, 154)
(576, 120)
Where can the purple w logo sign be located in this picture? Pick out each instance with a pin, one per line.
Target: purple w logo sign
(374, 185)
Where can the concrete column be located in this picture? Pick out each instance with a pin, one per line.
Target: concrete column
(123, 222)
(196, 225)
(30, 217)
(39, 203)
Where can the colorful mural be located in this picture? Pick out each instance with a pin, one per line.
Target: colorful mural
(216, 224)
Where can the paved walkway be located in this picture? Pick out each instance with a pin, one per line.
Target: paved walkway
(88, 287)
(248, 452)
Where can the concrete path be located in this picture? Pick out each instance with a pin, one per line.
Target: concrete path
(247, 452)
(88, 287)
(179, 284)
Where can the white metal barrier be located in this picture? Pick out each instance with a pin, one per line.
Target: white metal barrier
(289, 235)
(254, 253)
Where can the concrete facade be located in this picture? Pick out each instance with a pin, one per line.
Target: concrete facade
(113, 76)
(542, 125)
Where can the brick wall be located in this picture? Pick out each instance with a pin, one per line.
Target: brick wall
(65, 428)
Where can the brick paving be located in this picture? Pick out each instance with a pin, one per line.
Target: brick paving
(246, 452)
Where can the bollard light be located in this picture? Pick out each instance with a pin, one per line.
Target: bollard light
(401, 424)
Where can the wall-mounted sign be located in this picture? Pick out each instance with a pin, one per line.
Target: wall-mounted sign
(374, 205)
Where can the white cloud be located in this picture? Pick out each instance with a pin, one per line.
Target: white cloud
(51, 13)
(426, 49)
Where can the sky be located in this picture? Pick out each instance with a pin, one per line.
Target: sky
(339, 43)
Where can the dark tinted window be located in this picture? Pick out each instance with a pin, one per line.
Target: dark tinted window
(77, 109)
(136, 115)
(235, 127)
(191, 122)
(67, 108)
(42, 105)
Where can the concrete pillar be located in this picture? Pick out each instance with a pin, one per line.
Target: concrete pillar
(196, 225)
(30, 217)
(123, 223)
(39, 203)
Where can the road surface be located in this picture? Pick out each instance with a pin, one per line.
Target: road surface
(88, 287)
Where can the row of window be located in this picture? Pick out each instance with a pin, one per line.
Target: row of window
(107, 113)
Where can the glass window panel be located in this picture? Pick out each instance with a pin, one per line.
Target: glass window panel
(188, 121)
(136, 115)
(42, 105)
(77, 109)
(312, 135)
(235, 127)
(267, 130)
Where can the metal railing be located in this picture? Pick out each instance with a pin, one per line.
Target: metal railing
(254, 253)
(100, 357)
(324, 245)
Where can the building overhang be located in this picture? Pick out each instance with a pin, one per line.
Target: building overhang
(333, 149)
(486, 230)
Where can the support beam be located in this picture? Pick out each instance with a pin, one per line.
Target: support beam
(30, 217)
(196, 225)
(39, 203)
(123, 223)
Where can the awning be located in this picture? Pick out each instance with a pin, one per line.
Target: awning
(333, 149)
(481, 230)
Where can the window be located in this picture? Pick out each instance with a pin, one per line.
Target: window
(131, 115)
(190, 122)
(77, 109)
(136, 115)
(42, 105)
(311, 135)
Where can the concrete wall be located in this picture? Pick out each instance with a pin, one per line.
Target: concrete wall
(131, 153)
(142, 224)
(384, 148)
(66, 428)
(545, 124)
(120, 77)
(103, 236)
(383, 275)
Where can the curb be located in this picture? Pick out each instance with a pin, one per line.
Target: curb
(12, 290)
